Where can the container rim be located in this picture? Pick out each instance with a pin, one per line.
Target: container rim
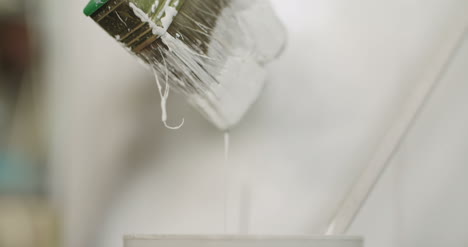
(239, 237)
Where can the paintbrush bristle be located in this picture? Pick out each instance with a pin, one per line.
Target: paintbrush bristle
(214, 53)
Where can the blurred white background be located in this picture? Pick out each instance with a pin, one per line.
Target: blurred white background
(347, 73)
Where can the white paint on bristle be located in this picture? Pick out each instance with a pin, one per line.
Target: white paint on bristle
(154, 6)
(228, 87)
(166, 4)
(120, 18)
(225, 81)
(166, 16)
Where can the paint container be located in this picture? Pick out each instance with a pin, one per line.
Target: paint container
(240, 241)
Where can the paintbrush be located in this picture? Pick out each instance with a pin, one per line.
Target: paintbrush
(214, 52)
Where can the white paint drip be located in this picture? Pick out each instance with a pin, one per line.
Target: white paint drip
(226, 179)
(226, 146)
(164, 98)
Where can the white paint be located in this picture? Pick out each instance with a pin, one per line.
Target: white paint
(167, 16)
(238, 78)
(240, 84)
(226, 146)
(154, 6)
(164, 98)
(166, 20)
(166, 4)
(232, 75)
(120, 18)
(226, 180)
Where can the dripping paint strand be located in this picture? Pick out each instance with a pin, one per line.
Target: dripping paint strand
(165, 97)
(226, 146)
(226, 179)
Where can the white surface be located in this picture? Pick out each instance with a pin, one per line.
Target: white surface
(345, 74)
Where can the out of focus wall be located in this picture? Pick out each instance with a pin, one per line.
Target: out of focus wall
(421, 200)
